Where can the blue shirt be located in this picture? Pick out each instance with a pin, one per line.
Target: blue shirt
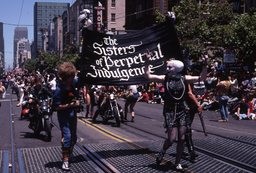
(64, 96)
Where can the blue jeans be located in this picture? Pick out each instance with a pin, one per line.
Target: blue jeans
(68, 126)
(223, 101)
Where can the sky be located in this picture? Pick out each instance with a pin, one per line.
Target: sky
(15, 13)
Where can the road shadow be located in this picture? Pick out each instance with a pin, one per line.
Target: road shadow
(108, 123)
(214, 120)
(164, 167)
(57, 164)
(31, 135)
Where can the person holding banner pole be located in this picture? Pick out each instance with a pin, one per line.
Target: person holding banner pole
(194, 107)
(175, 109)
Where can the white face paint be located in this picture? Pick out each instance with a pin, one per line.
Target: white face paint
(174, 66)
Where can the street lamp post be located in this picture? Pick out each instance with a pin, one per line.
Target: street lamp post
(99, 10)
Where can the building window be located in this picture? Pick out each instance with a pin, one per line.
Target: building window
(113, 3)
(113, 30)
(113, 17)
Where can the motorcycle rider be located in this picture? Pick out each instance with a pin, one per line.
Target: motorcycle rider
(37, 91)
(194, 107)
(65, 102)
(102, 100)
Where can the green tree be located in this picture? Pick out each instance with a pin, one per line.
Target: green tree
(31, 65)
(49, 61)
(70, 53)
(241, 36)
(199, 24)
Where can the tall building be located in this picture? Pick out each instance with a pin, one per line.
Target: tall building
(115, 15)
(44, 13)
(58, 35)
(109, 15)
(23, 52)
(140, 13)
(19, 33)
(2, 58)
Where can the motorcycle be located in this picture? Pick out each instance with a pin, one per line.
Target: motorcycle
(110, 110)
(25, 106)
(41, 116)
(25, 110)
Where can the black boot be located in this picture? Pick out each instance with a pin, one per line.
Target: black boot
(159, 157)
(125, 115)
(192, 156)
(95, 116)
(87, 111)
(190, 146)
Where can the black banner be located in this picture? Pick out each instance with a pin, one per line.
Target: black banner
(121, 59)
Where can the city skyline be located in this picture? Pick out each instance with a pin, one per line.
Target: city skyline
(18, 13)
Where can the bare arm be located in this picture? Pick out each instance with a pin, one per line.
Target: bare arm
(193, 79)
(202, 76)
(156, 78)
(194, 99)
(152, 77)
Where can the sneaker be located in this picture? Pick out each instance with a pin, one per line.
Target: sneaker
(65, 166)
(179, 167)
(159, 158)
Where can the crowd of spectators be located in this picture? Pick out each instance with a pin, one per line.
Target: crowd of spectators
(21, 81)
(241, 92)
(241, 89)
